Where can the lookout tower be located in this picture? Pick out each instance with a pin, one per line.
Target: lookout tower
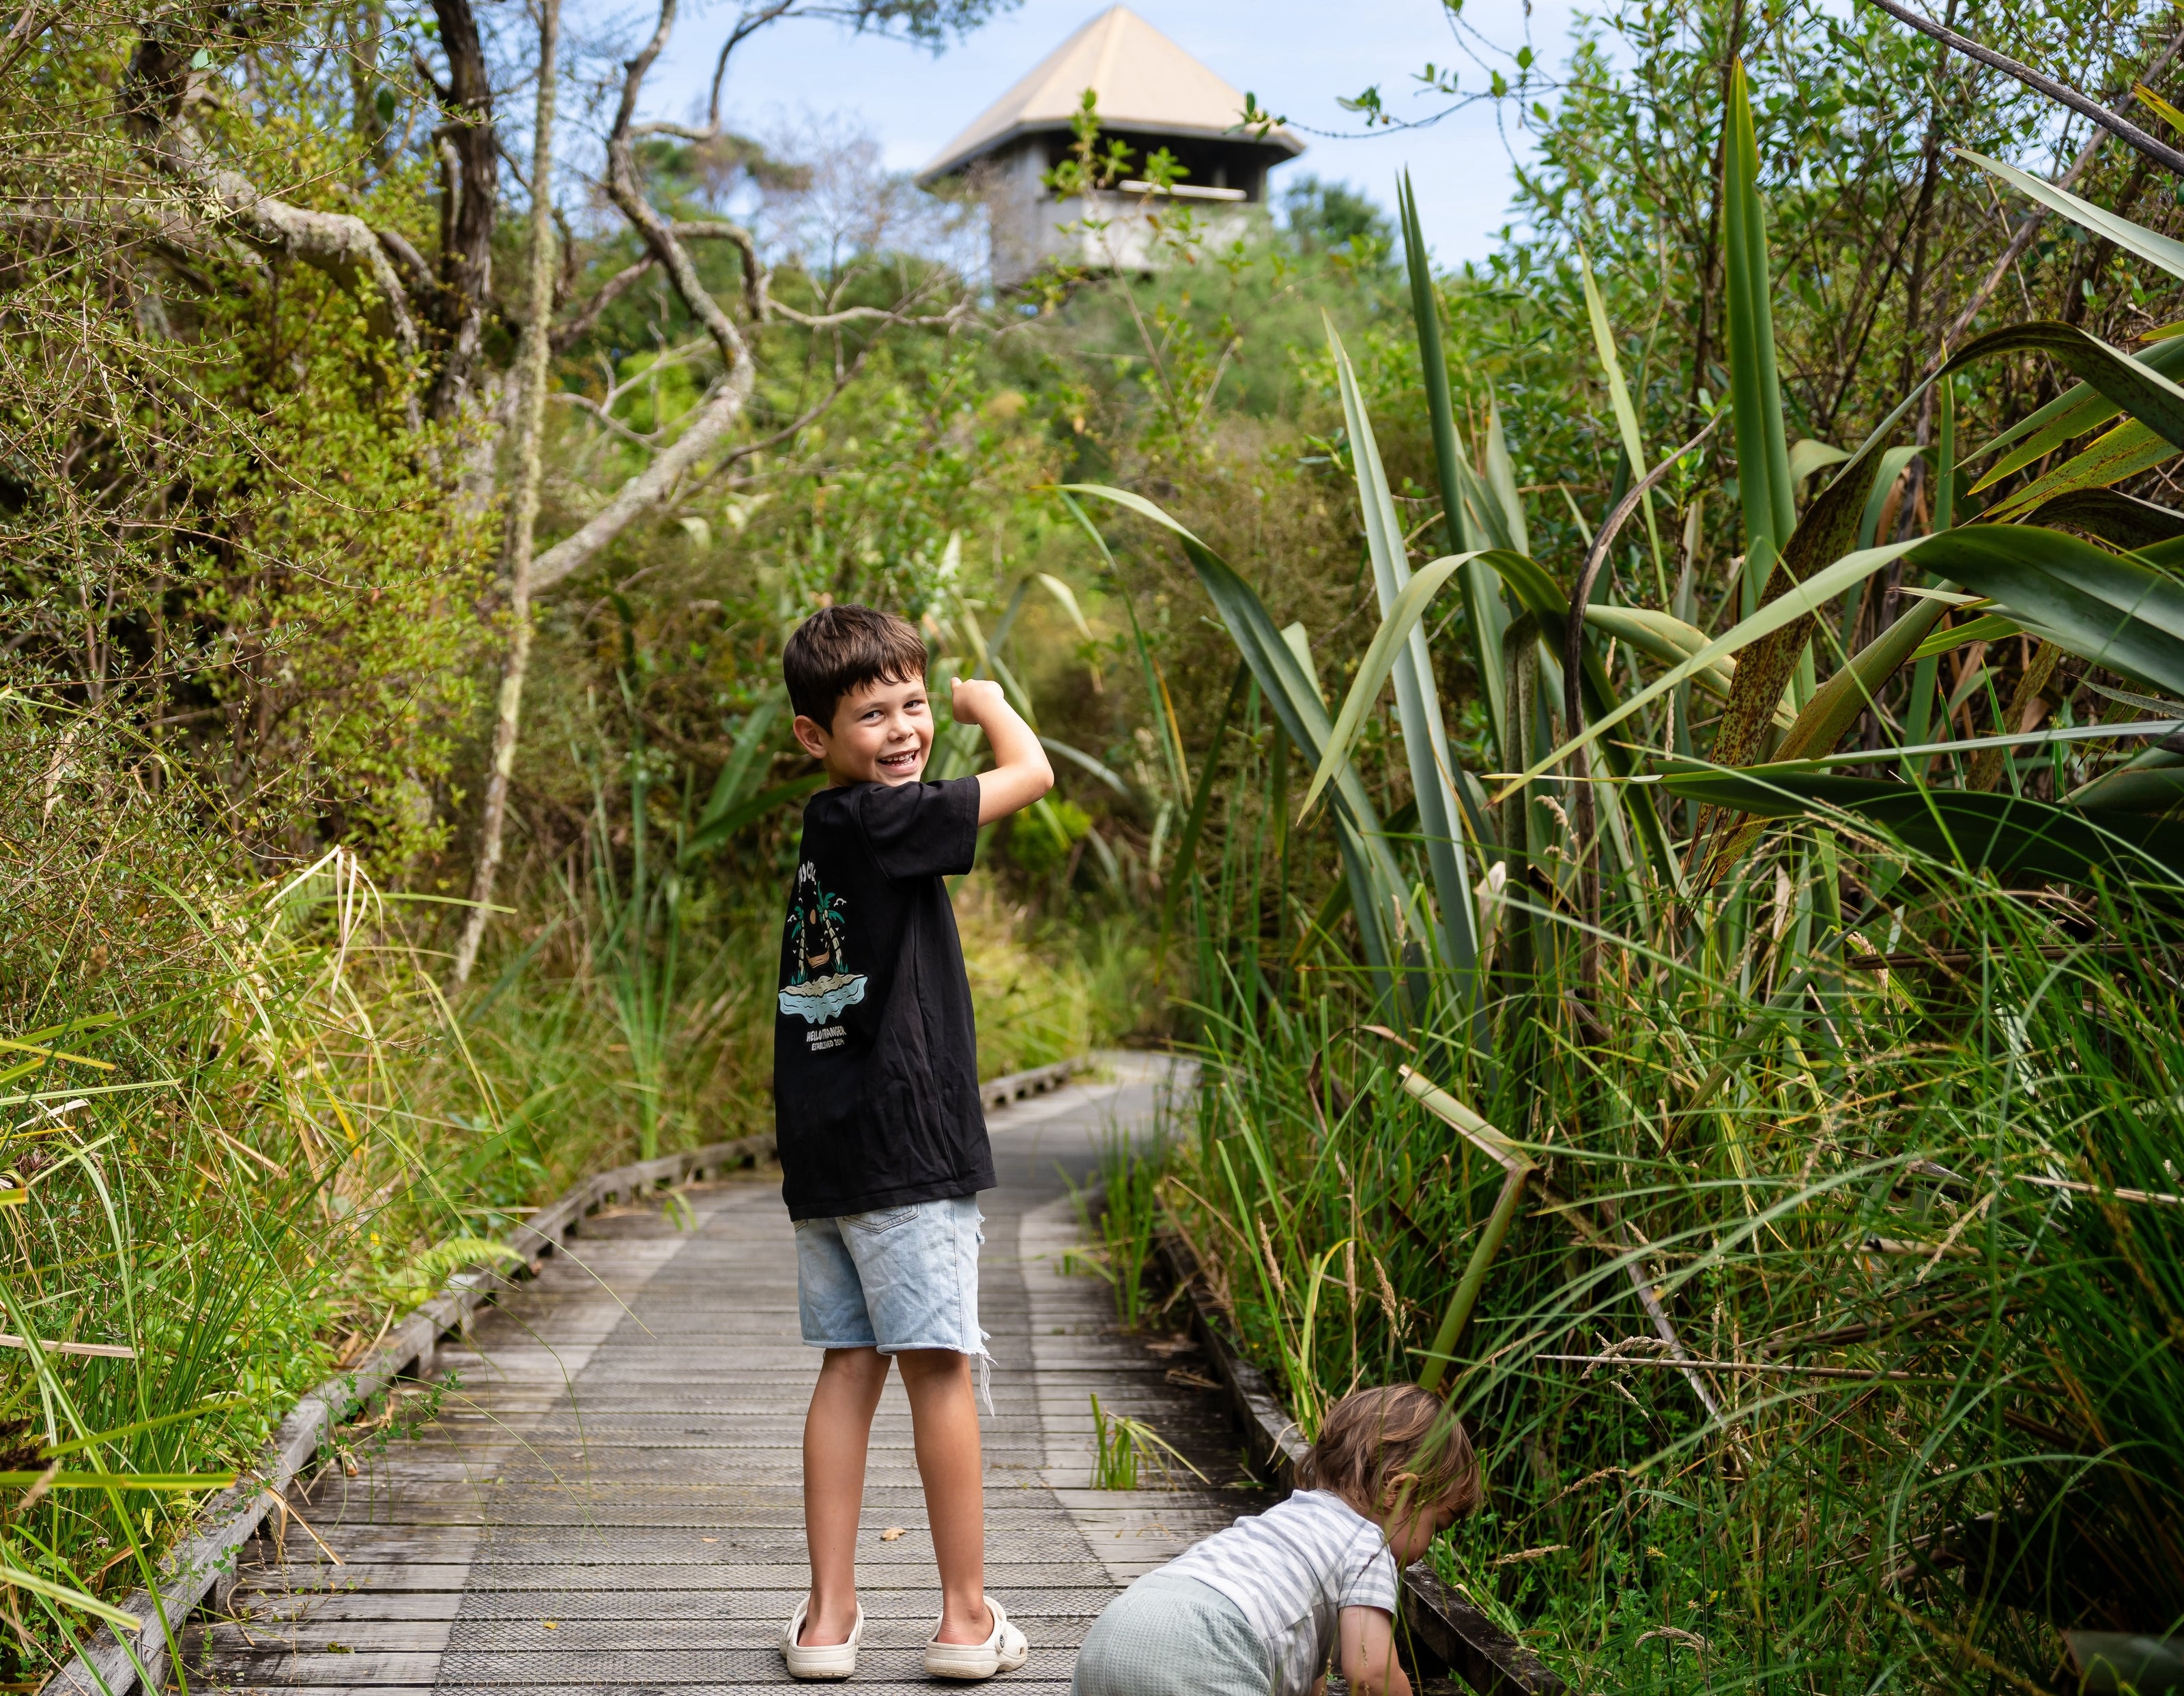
(1152, 94)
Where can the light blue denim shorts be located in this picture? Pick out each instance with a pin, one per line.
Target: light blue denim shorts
(893, 1279)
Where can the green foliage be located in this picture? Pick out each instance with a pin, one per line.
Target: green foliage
(1323, 217)
(1043, 838)
(225, 524)
(420, 1277)
(1127, 1201)
(253, 582)
(1128, 1453)
(253, 624)
(1092, 163)
(1756, 1188)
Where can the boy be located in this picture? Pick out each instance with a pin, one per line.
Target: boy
(881, 1134)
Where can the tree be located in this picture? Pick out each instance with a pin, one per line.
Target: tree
(736, 336)
(434, 310)
(1324, 217)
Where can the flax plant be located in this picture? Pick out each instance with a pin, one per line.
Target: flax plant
(1770, 1150)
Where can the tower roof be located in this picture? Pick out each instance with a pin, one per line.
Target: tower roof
(1144, 81)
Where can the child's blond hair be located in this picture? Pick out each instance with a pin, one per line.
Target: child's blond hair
(1391, 1448)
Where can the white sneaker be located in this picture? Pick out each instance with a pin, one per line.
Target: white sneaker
(819, 1660)
(1003, 1651)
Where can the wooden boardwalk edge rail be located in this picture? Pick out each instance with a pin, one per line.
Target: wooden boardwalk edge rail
(110, 1663)
(1471, 1645)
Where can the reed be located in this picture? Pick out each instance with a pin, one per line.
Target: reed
(1129, 1455)
(246, 1133)
(1772, 1153)
(1120, 1211)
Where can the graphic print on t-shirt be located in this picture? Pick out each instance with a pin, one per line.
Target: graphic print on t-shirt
(820, 984)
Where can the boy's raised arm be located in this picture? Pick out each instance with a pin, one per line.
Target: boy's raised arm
(1021, 773)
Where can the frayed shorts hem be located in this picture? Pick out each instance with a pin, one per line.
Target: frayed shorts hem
(899, 1348)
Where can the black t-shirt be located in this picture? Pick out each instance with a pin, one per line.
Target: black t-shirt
(875, 1052)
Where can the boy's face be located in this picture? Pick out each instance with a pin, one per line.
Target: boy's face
(881, 734)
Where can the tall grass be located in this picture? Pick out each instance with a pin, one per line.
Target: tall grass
(1128, 1453)
(1776, 1166)
(1120, 1213)
(1912, 1231)
(182, 1114)
(245, 1132)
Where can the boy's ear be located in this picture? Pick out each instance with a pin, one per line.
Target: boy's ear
(810, 736)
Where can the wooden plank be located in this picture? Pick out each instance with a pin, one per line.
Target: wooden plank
(552, 1633)
(610, 1570)
(625, 1462)
(551, 1669)
(109, 1662)
(662, 1606)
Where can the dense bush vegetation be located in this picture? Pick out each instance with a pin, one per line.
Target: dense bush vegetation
(1835, 1095)
(1765, 1136)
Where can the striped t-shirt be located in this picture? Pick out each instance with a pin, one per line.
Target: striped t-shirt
(1292, 1570)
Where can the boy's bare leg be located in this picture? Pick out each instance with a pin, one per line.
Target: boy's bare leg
(836, 1431)
(944, 1417)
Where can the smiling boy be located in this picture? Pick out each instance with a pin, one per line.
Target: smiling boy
(881, 1134)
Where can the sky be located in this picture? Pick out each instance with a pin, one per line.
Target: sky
(1297, 55)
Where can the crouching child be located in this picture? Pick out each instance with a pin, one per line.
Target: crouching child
(1262, 1607)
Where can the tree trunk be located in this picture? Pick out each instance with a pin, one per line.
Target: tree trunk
(523, 508)
(470, 203)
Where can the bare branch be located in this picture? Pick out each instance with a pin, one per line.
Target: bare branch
(416, 273)
(605, 419)
(637, 69)
(664, 242)
(579, 324)
(747, 25)
(872, 315)
(714, 229)
(647, 488)
(33, 23)
(755, 275)
(2028, 227)
(723, 407)
(671, 256)
(844, 375)
(470, 207)
(532, 364)
(160, 89)
(2120, 127)
(423, 67)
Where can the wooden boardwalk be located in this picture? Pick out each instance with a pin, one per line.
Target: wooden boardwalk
(606, 1497)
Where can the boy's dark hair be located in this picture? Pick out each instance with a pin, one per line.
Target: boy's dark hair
(838, 649)
(1393, 1446)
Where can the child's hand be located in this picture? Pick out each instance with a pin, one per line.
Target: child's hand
(973, 701)
(1021, 773)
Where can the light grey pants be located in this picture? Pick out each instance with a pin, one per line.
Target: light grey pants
(1168, 1636)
